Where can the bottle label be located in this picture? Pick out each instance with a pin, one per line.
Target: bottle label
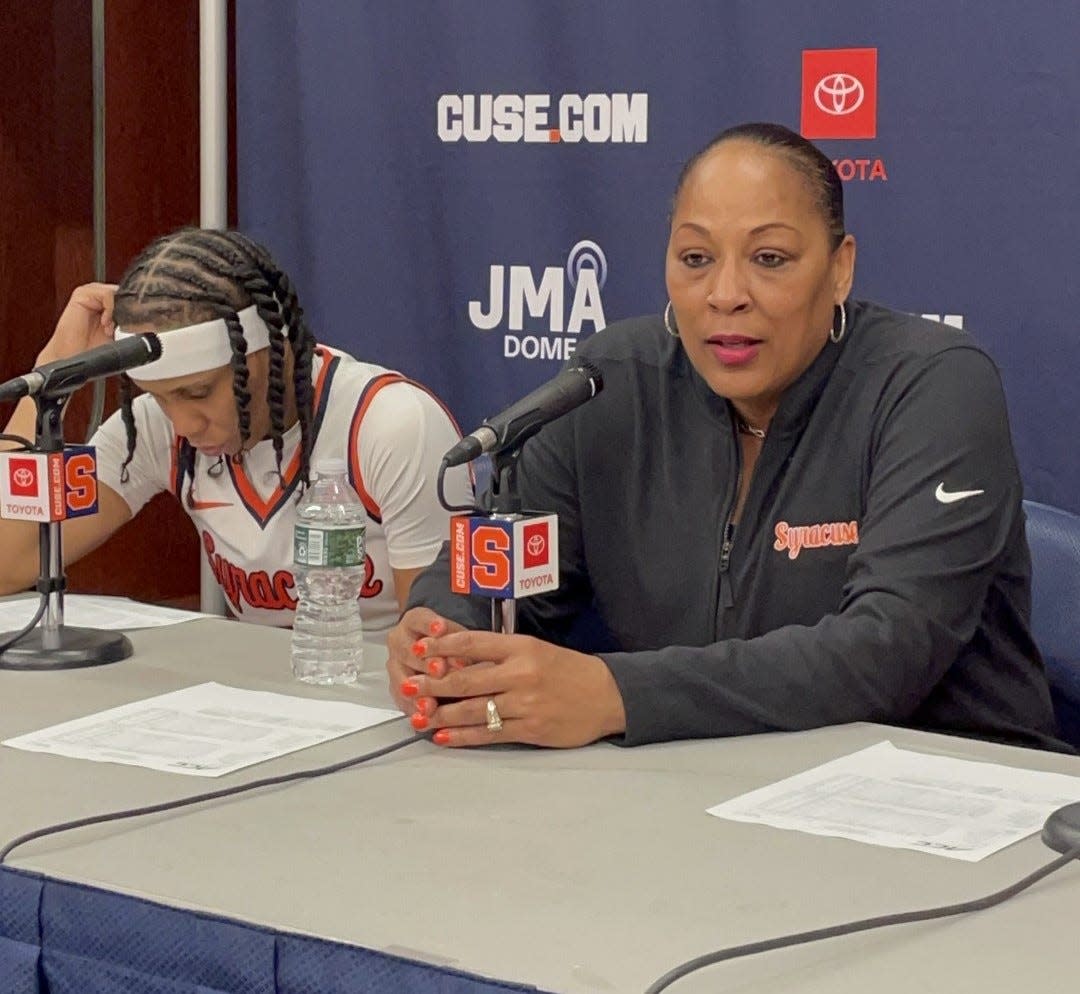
(328, 546)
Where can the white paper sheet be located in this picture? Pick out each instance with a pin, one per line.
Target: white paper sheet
(93, 611)
(909, 800)
(204, 731)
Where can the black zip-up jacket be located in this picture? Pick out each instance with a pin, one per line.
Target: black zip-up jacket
(879, 571)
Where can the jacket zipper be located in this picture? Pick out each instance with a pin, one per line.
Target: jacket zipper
(725, 551)
(727, 592)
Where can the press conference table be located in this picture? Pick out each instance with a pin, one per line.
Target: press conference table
(590, 870)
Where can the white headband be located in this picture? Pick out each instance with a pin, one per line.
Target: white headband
(198, 348)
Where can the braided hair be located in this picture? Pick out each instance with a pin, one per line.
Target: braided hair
(195, 275)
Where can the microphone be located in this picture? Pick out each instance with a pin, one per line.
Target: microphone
(504, 557)
(49, 486)
(64, 376)
(523, 419)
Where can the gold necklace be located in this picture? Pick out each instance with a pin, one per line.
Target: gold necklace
(746, 428)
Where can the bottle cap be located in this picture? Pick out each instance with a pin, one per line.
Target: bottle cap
(330, 467)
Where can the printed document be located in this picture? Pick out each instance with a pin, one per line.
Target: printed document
(204, 731)
(886, 796)
(93, 611)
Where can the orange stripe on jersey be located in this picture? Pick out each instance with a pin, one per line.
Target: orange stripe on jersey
(355, 476)
(362, 405)
(264, 510)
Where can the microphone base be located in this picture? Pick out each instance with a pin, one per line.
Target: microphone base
(1062, 829)
(68, 649)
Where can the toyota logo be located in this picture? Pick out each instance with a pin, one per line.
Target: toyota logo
(839, 93)
(535, 545)
(22, 477)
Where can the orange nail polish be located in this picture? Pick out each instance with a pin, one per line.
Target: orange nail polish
(409, 688)
(436, 627)
(441, 737)
(419, 722)
(436, 667)
(425, 706)
(418, 647)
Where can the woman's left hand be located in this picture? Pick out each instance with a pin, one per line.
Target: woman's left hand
(545, 695)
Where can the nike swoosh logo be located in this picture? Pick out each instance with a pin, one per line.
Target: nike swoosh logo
(944, 496)
(206, 505)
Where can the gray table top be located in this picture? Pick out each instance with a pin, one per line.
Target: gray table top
(588, 870)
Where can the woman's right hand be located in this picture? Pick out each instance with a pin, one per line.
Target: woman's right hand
(86, 322)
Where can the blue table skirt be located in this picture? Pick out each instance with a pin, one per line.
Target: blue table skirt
(63, 938)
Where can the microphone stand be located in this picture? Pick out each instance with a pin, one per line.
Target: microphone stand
(503, 503)
(51, 645)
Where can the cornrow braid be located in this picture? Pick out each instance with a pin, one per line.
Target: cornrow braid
(185, 470)
(270, 310)
(240, 375)
(303, 348)
(245, 259)
(275, 398)
(127, 415)
(303, 344)
(300, 338)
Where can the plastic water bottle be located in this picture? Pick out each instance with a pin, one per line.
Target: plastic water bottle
(328, 566)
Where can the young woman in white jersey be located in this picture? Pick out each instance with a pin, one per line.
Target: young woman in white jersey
(241, 405)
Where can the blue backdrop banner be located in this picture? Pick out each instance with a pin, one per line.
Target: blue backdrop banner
(466, 191)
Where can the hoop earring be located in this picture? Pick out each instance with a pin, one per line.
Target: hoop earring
(837, 336)
(671, 330)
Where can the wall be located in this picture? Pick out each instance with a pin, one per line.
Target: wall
(46, 212)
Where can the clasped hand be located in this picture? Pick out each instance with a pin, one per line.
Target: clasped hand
(545, 695)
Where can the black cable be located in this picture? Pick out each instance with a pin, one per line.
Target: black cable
(453, 508)
(209, 796)
(863, 925)
(43, 601)
(18, 440)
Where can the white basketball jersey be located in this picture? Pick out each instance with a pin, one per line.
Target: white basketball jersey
(390, 431)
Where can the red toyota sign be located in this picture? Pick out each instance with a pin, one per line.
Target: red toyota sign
(839, 93)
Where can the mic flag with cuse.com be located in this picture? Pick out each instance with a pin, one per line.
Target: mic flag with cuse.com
(49, 486)
(506, 557)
